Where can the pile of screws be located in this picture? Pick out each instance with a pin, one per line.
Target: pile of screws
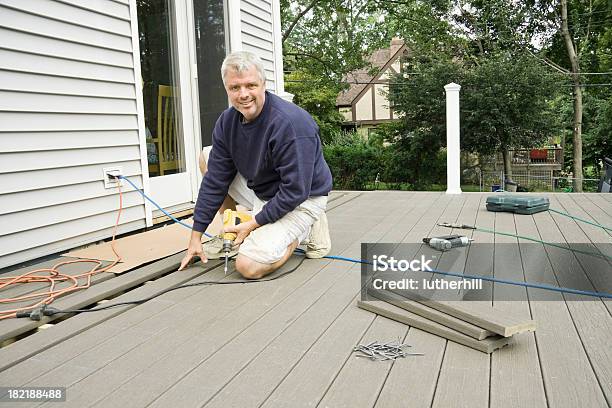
(384, 351)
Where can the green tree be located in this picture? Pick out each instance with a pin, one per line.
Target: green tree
(580, 44)
(318, 98)
(329, 38)
(601, 141)
(505, 103)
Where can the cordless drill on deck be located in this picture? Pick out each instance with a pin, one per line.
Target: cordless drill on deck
(447, 242)
(231, 218)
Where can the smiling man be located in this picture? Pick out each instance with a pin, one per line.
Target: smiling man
(266, 155)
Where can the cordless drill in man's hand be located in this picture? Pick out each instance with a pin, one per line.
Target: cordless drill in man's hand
(231, 218)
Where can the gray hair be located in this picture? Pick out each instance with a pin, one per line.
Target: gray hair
(241, 61)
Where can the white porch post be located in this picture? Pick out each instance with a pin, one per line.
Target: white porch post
(453, 168)
(235, 26)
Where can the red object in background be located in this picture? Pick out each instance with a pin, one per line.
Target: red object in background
(538, 154)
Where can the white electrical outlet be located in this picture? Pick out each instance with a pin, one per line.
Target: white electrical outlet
(110, 182)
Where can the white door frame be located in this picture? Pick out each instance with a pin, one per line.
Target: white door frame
(175, 189)
(142, 138)
(195, 176)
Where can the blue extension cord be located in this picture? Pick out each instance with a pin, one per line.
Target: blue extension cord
(485, 278)
(158, 207)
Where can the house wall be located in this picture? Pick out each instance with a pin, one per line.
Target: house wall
(363, 107)
(347, 113)
(69, 91)
(257, 33)
(67, 110)
(371, 106)
(381, 103)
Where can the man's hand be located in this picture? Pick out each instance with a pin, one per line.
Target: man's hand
(193, 249)
(242, 230)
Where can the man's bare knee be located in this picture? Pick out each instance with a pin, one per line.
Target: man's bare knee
(251, 269)
(248, 268)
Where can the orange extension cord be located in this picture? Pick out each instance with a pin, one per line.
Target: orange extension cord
(53, 276)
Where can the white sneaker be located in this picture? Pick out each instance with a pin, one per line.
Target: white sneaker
(319, 242)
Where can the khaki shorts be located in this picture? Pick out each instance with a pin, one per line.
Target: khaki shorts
(268, 243)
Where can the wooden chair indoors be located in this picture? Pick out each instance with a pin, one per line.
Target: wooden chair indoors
(169, 157)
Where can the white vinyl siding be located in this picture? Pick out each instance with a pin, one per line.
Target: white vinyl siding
(258, 34)
(67, 109)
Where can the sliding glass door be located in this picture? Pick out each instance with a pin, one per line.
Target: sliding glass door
(182, 45)
(167, 97)
(210, 50)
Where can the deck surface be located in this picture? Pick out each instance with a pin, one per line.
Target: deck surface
(288, 342)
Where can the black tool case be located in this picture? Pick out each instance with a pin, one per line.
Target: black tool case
(518, 204)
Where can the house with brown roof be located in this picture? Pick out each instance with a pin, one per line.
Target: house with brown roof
(364, 104)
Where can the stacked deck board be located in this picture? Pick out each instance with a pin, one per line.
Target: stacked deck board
(472, 324)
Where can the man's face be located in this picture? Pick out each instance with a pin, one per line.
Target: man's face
(246, 91)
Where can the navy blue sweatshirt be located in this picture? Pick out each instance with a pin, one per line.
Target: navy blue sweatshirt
(279, 153)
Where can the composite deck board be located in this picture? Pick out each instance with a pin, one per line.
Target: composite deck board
(440, 259)
(44, 340)
(454, 261)
(176, 263)
(17, 290)
(289, 342)
(178, 327)
(568, 376)
(434, 315)
(468, 206)
(339, 389)
(460, 367)
(390, 311)
(464, 378)
(257, 380)
(134, 366)
(590, 315)
(247, 389)
(109, 339)
(517, 366)
(594, 213)
(253, 385)
(341, 199)
(360, 380)
(125, 368)
(596, 268)
(412, 382)
(16, 327)
(603, 201)
(300, 388)
(423, 373)
(600, 239)
(82, 298)
(255, 326)
(341, 337)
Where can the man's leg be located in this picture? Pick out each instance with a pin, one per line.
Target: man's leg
(268, 247)
(319, 242)
(251, 269)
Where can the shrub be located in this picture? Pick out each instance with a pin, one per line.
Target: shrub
(353, 162)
